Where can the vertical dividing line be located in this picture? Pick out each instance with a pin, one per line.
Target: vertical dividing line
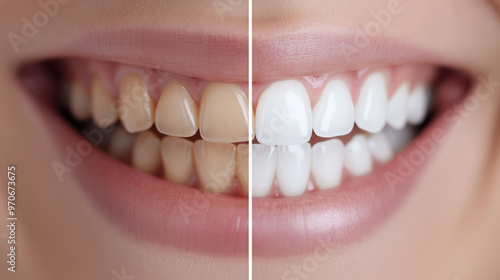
(250, 138)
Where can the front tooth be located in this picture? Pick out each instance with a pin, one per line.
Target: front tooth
(176, 112)
(177, 156)
(418, 104)
(371, 107)
(103, 112)
(293, 165)
(146, 152)
(283, 115)
(137, 110)
(120, 144)
(396, 111)
(242, 156)
(357, 156)
(263, 169)
(79, 102)
(327, 163)
(224, 114)
(215, 165)
(380, 147)
(333, 115)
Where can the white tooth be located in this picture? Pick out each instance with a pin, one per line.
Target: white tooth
(263, 169)
(418, 104)
(327, 163)
(399, 139)
(380, 147)
(333, 115)
(293, 165)
(357, 156)
(396, 113)
(371, 107)
(283, 115)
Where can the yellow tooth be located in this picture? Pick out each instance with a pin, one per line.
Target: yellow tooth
(177, 156)
(146, 153)
(137, 110)
(103, 112)
(79, 102)
(224, 114)
(176, 113)
(242, 156)
(120, 144)
(215, 165)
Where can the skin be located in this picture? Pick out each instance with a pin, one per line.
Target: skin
(447, 229)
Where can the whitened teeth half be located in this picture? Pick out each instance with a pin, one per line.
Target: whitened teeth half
(397, 109)
(263, 169)
(371, 107)
(328, 163)
(293, 165)
(418, 104)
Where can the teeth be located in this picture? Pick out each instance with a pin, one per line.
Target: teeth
(176, 112)
(177, 156)
(399, 138)
(333, 115)
(263, 169)
(215, 165)
(418, 104)
(79, 102)
(242, 156)
(327, 163)
(120, 144)
(380, 147)
(137, 110)
(146, 152)
(103, 112)
(396, 113)
(224, 114)
(357, 156)
(371, 107)
(293, 165)
(283, 115)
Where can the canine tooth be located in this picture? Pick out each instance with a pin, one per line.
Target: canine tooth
(283, 115)
(137, 110)
(293, 165)
(327, 163)
(176, 112)
(242, 156)
(103, 112)
(397, 109)
(79, 102)
(418, 104)
(357, 156)
(146, 152)
(224, 114)
(120, 144)
(215, 165)
(371, 107)
(263, 169)
(380, 147)
(333, 115)
(177, 157)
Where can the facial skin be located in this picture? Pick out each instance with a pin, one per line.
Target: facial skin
(448, 229)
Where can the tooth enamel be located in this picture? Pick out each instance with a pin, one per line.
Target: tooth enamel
(293, 165)
(418, 104)
(120, 144)
(371, 107)
(333, 115)
(283, 115)
(176, 112)
(357, 156)
(242, 156)
(79, 102)
(327, 163)
(263, 169)
(103, 112)
(396, 111)
(146, 152)
(380, 147)
(177, 157)
(215, 165)
(137, 110)
(224, 114)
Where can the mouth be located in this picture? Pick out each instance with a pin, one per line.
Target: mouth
(333, 153)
